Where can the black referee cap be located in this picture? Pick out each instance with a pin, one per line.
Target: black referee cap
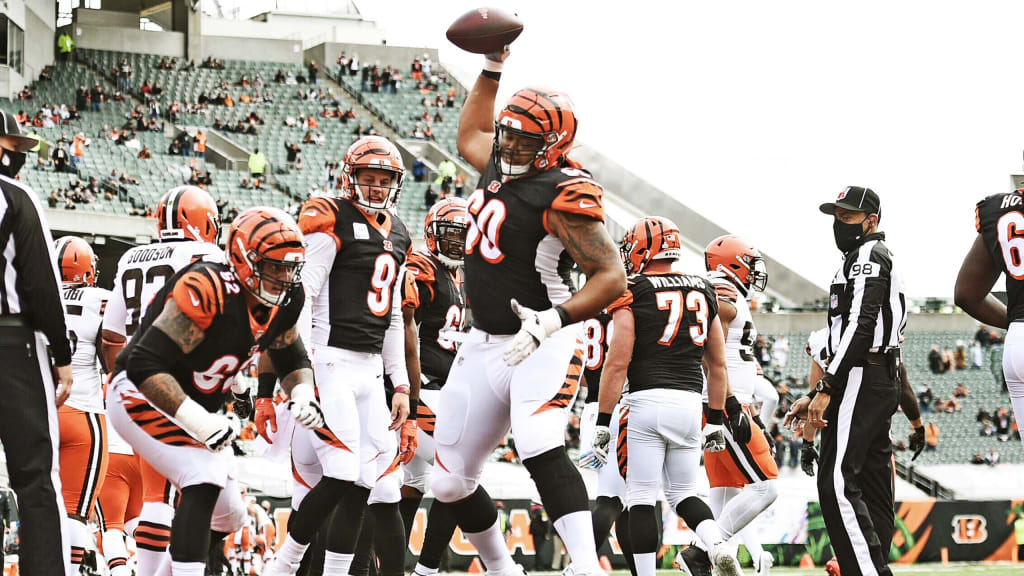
(855, 198)
(11, 137)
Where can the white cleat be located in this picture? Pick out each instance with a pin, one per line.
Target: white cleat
(573, 570)
(724, 562)
(279, 568)
(764, 564)
(516, 570)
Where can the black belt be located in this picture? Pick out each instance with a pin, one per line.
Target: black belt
(13, 320)
(880, 358)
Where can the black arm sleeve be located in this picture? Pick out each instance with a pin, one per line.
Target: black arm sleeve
(38, 283)
(870, 290)
(154, 353)
(290, 358)
(908, 400)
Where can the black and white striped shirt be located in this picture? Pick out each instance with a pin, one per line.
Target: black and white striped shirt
(30, 285)
(867, 307)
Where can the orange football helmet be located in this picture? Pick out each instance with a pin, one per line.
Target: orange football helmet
(651, 238)
(266, 254)
(543, 118)
(738, 260)
(188, 213)
(76, 260)
(444, 231)
(372, 152)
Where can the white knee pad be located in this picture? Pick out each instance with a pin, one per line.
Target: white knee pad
(450, 488)
(642, 493)
(230, 513)
(767, 491)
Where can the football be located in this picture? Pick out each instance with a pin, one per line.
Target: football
(485, 30)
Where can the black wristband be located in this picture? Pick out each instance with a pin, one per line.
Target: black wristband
(267, 382)
(732, 405)
(563, 315)
(414, 404)
(604, 418)
(714, 416)
(496, 76)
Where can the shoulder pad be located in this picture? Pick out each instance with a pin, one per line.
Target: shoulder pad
(725, 290)
(578, 193)
(421, 269)
(320, 215)
(199, 294)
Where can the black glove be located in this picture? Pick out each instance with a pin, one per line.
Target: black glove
(917, 442)
(767, 436)
(737, 420)
(808, 456)
(243, 405)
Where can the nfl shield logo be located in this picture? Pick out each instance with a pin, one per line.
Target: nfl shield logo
(833, 301)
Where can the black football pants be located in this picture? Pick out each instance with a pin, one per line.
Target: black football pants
(855, 482)
(30, 436)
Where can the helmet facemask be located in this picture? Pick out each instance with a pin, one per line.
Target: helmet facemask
(372, 177)
(451, 242)
(272, 279)
(758, 274)
(517, 152)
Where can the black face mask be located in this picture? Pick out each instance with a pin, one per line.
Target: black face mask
(847, 236)
(11, 162)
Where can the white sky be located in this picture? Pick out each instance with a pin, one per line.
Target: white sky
(753, 113)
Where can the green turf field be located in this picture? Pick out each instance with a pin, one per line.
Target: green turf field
(951, 570)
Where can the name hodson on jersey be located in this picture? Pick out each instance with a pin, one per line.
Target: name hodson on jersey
(998, 219)
(363, 274)
(511, 251)
(209, 294)
(439, 312)
(672, 314)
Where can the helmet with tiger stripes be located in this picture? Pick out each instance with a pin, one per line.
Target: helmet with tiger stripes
(534, 132)
(737, 260)
(76, 260)
(188, 213)
(265, 252)
(650, 238)
(444, 231)
(372, 152)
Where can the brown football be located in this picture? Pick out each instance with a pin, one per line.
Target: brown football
(485, 30)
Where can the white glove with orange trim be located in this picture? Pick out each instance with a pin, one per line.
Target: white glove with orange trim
(305, 408)
(536, 326)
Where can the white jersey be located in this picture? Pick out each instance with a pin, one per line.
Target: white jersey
(142, 272)
(739, 342)
(83, 314)
(817, 347)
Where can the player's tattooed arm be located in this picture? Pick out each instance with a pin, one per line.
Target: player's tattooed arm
(179, 327)
(288, 350)
(589, 244)
(163, 391)
(161, 388)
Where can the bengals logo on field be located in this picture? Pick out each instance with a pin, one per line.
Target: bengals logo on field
(969, 529)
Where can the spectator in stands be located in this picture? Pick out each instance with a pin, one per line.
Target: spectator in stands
(428, 132)
(78, 150)
(145, 154)
(81, 97)
(257, 164)
(1002, 423)
(539, 533)
(65, 44)
(960, 355)
(780, 351)
(925, 398)
(460, 184)
(124, 74)
(982, 336)
(146, 89)
(961, 390)
(313, 70)
(365, 78)
(940, 362)
(419, 170)
(97, 95)
(931, 436)
(293, 152)
(762, 351)
(417, 132)
(428, 65)
(429, 196)
(992, 457)
(61, 157)
(987, 430)
(416, 69)
(437, 117)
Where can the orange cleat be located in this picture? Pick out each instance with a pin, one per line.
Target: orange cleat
(832, 567)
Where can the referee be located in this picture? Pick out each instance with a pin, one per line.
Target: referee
(31, 309)
(859, 391)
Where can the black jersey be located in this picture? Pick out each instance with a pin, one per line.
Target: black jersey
(511, 252)
(672, 313)
(439, 312)
(596, 336)
(210, 295)
(1000, 221)
(355, 299)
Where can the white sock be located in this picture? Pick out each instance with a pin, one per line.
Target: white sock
(1017, 401)
(290, 553)
(336, 564)
(115, 552)
(188, 568)
(645, 563)
(708, 533)
(577, 533)
(79, 539)
(422, 570)
(751, 538)
(154, 562)
(490, 544)
(747, 505)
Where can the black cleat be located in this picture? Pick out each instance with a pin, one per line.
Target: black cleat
(694, 562)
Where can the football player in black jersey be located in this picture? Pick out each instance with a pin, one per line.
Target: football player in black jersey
(438, 308)
(667, 331)
(171, 380)
(998, 248)
(355, 248)
(533, 213)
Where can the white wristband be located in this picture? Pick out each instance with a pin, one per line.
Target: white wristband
(492, 66)
(302, 393)
(195, 419)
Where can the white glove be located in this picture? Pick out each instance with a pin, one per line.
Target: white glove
(714, 437)
(599, 446)
(536, 326)
(305, 408)
(239, 386)
(216, 431)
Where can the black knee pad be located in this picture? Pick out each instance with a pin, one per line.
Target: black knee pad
(477, 512)
(605, 511)
(441, 526)
(348, 520)
(389, 538)
(559, 483)
(315, 507)
(190, 530)
(408, 508)
(693, 511)
(643, 529)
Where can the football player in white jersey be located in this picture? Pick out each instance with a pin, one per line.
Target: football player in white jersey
(83, 439)
(188, 227)
(743, 477)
